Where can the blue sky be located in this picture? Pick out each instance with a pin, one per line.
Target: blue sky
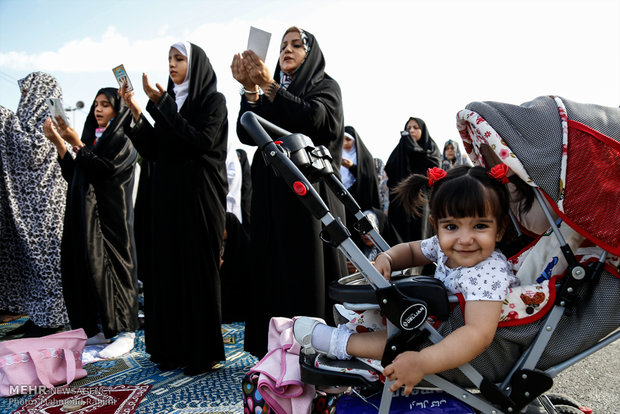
(392, 59)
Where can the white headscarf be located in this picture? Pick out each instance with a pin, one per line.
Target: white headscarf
(181, 91)
(348, 179)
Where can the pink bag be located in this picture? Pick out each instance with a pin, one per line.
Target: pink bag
(30, 365)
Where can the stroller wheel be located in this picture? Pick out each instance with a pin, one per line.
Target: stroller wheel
(560, 399)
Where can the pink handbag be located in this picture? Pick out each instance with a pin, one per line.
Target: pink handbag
(31, 365)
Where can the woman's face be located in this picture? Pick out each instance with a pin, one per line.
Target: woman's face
(104, 111)
(292, 52)
(177, 66)
(348, 143)
(414, 129)
(450, 153)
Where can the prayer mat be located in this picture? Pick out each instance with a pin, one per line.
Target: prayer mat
(116, 399)
(219, 391)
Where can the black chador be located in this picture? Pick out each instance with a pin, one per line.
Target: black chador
(186, 151)
(410, 157)
(291, 266)
(98, 256)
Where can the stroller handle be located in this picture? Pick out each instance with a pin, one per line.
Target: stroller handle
(275, 156)
(260, 129)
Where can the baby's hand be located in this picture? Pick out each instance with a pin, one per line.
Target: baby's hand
(406, 369)
(383, 263)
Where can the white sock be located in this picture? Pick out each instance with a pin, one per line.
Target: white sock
(338, 342)
(97, 339)
(124, 343)
(332, 341)
(321, 336)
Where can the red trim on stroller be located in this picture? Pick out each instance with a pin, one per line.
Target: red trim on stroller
(591, 185)
(604, 138)
(578, 229)
(538, 315)
(522, 321)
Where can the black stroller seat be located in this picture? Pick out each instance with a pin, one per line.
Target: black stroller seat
(424, 288)
(354, 289)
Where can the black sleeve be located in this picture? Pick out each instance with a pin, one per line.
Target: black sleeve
(311, 115)
(244, 107)
(353, 170)
(202, 136)
(67, 165)
(96, 167)
(142, 136)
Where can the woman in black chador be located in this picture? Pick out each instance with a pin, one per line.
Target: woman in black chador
(188, 186)
(358, 172)
(98, 257)
(291, 266)
(415, 153)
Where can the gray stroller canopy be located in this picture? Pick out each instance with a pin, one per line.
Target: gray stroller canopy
(569, 150)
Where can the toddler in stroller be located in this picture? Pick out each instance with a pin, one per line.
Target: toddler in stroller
(567, 307)
(469, 213)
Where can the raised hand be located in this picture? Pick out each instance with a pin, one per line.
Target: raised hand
(66, 132)
(153, 94)
(240, 73)
(128, 98)
(256, 69)
(50, 133)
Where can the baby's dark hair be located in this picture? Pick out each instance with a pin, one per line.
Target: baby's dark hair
(464, 192)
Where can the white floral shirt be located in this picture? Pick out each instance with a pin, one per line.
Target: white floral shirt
(488, 280)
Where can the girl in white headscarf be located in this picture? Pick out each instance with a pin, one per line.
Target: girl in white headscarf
(186, 150)
(349, 159)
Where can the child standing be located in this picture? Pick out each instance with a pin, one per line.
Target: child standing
(469, 211)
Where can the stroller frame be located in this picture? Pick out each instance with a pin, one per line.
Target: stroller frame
(524, 383)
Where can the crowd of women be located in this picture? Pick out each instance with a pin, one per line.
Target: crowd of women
(77, 242)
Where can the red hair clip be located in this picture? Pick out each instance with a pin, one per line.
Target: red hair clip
(435, 174)
(500, 173)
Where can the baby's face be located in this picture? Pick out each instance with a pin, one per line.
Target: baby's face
(467, 241)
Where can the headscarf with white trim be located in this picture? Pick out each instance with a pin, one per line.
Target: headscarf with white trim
(182, 90)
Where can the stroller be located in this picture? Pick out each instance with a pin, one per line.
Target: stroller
(567, 307)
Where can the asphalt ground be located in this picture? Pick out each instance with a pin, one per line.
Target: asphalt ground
(595, 381)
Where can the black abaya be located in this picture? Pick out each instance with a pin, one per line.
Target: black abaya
(365, 189)
(187, 185)
(291, 266)
(98, 257)
(410, 157)
(246, 189)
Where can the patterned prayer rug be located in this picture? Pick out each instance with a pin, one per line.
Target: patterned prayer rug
(218, 391)
(118, 399)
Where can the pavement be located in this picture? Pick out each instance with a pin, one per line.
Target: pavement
(594, 381)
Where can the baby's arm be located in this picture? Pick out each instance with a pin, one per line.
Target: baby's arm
(400, 257)
(456, 349)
